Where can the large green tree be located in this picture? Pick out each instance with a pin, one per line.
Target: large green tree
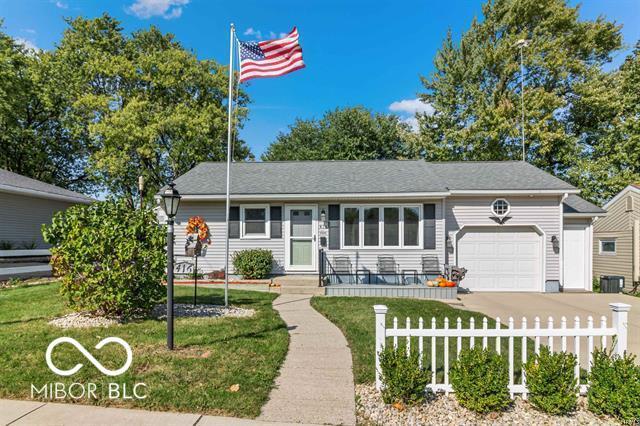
(33, 141)
(475, 88)
(607, 120)
(143, 104)
(345, 134)
(104, 107)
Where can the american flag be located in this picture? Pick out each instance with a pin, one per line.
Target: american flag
(270, 58)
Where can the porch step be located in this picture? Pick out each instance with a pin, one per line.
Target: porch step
(297, 280)
(302, 290)
(298, 284)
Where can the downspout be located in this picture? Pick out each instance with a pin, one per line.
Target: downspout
(560, 237)
(636, 251)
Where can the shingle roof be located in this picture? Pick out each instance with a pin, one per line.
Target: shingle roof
(573, 204)
(13, 182)
(385, 176)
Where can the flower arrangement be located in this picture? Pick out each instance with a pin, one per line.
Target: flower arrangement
(197, 225)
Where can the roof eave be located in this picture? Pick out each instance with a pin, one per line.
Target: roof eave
(514, 191)
(40, 194)
(584, 215)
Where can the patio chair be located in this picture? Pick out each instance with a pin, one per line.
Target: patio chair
(387, 266)
(341, 265)
(431, 265)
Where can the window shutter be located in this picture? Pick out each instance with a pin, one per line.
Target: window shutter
(334, 226)
(629, 204)
(275, 217)
(234, 222)
(429, 226)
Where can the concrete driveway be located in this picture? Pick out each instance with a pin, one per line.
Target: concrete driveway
(543, 305)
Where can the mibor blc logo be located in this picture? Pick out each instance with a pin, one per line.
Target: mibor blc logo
(88, 356)
(111, 390)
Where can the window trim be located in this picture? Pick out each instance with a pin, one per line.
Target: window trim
(381, 207)
(493, 212)
(607, 240)
(267, 222)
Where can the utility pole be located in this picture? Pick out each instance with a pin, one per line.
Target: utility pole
(521, 44)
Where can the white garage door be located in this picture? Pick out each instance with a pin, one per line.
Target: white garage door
(500, 258)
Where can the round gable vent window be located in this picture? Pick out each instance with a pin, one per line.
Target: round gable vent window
(500, 207)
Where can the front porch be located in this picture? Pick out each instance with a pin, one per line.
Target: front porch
(388, 279)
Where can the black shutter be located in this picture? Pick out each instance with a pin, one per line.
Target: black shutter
(275, 216)
(234, 222)
(334, 226)
(429, 226)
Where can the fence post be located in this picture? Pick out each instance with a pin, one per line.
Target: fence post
(381, 334)
(619, 316)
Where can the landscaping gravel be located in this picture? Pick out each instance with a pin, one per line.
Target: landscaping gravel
(445, 410)
(82, 320)
(215, 311)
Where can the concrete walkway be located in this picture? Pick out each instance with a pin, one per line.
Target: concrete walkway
(45, 414)
(316, 380)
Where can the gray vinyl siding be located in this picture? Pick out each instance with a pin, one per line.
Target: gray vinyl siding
(543, 211)
(24, 216)
(617, 264)
(618, 225)
(617, 218)
(365, 258)
(213, 214)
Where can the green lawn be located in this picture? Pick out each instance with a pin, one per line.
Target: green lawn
(355, 317)
(211, 354)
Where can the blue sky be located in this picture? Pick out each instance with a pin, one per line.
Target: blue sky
(357, 52)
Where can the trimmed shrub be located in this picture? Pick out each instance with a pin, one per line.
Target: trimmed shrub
(479, 378)
(551, 382)
(253, 263)
(111, 258)
(614, 386)
(403, 379)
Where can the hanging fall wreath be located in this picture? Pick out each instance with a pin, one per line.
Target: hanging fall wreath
(197, 225)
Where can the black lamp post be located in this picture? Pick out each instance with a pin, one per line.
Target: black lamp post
(170, 202)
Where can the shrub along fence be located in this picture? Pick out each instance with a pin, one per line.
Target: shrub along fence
(445, 342)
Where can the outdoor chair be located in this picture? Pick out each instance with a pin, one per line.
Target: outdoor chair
(431, 265)
(342, 266)
(387, 266)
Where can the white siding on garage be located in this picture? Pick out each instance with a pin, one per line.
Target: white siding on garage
(23, 217)
(213, 214)
(543, 211)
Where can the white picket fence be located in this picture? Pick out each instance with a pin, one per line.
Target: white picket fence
(617, 332)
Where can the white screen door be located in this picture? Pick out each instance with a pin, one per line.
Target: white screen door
(300, 238)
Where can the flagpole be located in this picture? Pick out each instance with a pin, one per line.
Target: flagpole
(229, 123)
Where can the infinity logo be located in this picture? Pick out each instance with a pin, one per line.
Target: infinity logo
(90, 357)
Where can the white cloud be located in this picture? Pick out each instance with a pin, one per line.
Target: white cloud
(253, 33)
(26, 43)
(407, 110)
(61, 5)
(411, 106)
(168, 9)
(29, 30)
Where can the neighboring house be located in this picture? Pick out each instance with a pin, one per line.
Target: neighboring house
(616, 245)
(506, 222)
(26, 205)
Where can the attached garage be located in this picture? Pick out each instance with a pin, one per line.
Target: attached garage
(501, 258)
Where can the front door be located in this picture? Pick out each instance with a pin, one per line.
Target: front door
(300, 238)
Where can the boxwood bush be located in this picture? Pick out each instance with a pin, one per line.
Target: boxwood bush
(110, 257)
(614, 386)
(551, 382)
(253, 263)
(403, 379)
(479, 378)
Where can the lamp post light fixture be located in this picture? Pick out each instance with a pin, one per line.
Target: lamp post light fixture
(170, 202)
